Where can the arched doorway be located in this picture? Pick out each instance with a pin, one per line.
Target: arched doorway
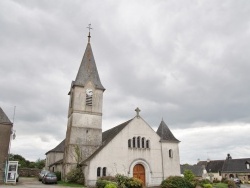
(139, 173)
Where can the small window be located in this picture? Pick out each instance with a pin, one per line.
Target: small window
(104, 171)
(89, 94)
(248, 166)
(129, 143)
(143, 142)
(147, 144)
(170, 153)
(98, 171)
(134, 142)
(138, 142)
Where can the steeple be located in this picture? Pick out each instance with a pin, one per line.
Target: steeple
(88, 70)
(84, 128)
(164, 132)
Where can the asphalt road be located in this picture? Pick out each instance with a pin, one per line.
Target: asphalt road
(31, 183)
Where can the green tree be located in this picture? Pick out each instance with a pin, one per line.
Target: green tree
(189, 175)
(40, 163)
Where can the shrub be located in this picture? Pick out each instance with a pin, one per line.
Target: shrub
(189, 175)
(133, 183)
(176, 182)
(58, 175)
(121, 180)
(231, 184)
(126, 182)
(111, 185)
(216, 180)
(207, 185)
(100, 183)
(108, 178)
(76, 176)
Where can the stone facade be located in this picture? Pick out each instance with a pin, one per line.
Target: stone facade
(84, 129)
(5, 134)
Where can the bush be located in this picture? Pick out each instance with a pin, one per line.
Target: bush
(134, 183)
(126, 182)
(216, 180)
(121, 180)
(100, 183)
(108, 178)
(189, 175)
(111, 185)
(207, 185)
(76, 176)
(231, 184)
(58, 175)
(176, 182)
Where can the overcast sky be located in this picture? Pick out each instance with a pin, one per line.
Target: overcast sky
(185, 61)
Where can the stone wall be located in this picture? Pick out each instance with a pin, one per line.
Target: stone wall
(5, 133)
(28, 172)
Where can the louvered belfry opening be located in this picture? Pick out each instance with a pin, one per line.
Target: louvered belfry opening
(88, 100)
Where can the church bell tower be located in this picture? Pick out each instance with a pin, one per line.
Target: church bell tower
(84, 128)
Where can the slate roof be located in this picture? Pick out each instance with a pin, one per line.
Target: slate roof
(58, 148)
(107, 136)
(236, 165)
(196, 169)
(88, 70)
(3, 118)
(164, 132)
(212, 166)
(56, 163)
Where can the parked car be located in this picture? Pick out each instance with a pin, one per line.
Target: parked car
(42, 174)
(237, 181)
(49, 178)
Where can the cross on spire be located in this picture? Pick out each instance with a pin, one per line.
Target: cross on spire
(137, 112)
(89, 27)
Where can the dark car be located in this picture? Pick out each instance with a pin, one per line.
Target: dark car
(42, 174)
(49, 178)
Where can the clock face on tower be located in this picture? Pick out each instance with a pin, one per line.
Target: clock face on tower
(89, 92)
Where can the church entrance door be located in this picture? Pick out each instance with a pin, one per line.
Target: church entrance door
(139, 173)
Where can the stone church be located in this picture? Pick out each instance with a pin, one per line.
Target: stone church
(132, 148)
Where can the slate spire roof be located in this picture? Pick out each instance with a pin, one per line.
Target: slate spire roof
(58, 148)
(164, 132)
(3, 118)
(88, 70)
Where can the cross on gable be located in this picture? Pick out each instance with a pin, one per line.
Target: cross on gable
(137, 112)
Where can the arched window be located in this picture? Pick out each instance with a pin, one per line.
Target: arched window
(89, 94)
(143, 142)
(104, 171)
(129, 143)
(170, 153)
(134, 142)
(98, 171)
(147, 144)
(138, 142)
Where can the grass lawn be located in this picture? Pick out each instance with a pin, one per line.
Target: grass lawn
(69, 184)
(220, 185)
